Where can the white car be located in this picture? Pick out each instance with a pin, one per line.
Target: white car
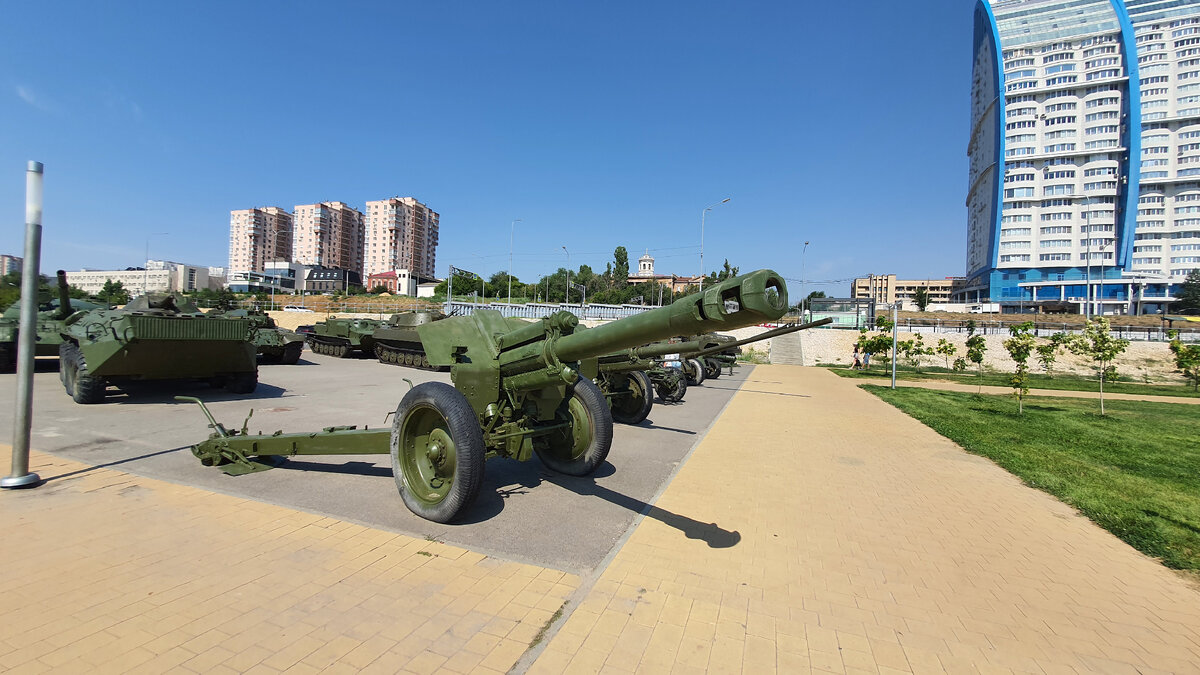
(296, 308)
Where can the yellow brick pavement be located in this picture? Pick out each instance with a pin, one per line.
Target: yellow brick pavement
(818, 528)
(104, 572)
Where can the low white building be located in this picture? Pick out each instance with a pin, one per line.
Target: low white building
(159, 276)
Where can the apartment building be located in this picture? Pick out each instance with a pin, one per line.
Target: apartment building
(401, 234)
(1084, 154)
(328, 234)
(886, 288)
(10, 264)
(258, 236)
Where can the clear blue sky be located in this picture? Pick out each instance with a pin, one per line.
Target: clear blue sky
(598, 124)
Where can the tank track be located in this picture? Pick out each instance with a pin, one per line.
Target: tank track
(410, 358)
(339, 350)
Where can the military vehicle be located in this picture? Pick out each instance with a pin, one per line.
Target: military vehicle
(343, 337)
(274, 344)
(50, 317)
(517, 392)
(154, 337)
(397, 341)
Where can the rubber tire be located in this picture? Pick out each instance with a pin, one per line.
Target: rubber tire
(66, 358)
(694, 372)
(242, 383)
(271, 356)
(291, 353)
(638, 409)
(8, 358)
(599, 417)
(712, 369)
(87, 389)
(676, 396)
(462, 426)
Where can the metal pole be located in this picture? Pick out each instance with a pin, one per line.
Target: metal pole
(802, 298)
(511, 228)
(895, 328)
(568, 289)
(702, 214)
(1100, 292)
(27, 337)
(1087, 225)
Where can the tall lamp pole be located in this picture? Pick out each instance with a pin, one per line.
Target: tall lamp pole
(568, 289)
(1100, 292)
(803, 300)
(702, 215)
(146, 269)
(511, 228)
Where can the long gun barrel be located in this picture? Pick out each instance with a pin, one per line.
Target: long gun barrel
(776, 332)
(64, 296)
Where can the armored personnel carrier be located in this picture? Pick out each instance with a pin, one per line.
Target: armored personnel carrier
(274, 344)
(398, 343)
(155, 337)
(51, 314)
(343, 337)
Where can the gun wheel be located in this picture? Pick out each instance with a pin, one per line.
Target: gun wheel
(673, 387)
(712, 369)
(437, 451)
(579, 449)
(633, 403)
(694, 371)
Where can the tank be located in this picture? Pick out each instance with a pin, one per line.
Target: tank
(155, 337)
(398, 343)
(273, 344)
(344, 337)
(518, 392)
(51, 315)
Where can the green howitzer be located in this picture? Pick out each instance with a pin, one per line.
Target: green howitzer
(517, 392)
(630, 378)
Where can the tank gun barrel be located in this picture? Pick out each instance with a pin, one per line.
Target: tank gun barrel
(64, 296)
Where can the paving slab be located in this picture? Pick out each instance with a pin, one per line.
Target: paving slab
(831, 532)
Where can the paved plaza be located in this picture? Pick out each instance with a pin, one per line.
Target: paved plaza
(812, 528)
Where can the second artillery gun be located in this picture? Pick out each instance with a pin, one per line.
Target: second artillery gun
(517, 392)
(624, 377)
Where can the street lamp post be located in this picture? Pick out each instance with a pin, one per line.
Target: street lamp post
(511, 228)
(803, 300)
(568, 289)
(1100, 291)
(702, 215)
(146, 269)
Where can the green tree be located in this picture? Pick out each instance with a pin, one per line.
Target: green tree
(921, 297)
(1187, 359)
(1189, 292)
(113, 292)
(976, 348)
(1097, 343)
(1019, 347)
(1047, 353)
(913, 349)
(379, 288)
(620, 270)
(947, 349)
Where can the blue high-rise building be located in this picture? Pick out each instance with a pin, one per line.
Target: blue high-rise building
(1084, 179)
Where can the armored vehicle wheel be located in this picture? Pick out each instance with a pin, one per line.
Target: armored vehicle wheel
(694, 371)
(437, 451)
(342, 351)
(85, 388)
(633, 405)
(291, 353)
(580, 449)
(271, 356)
(66, 355)
(8, 358)
(712, 369)
(242, 383)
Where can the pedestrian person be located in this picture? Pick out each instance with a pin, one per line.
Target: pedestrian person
(857, 364)
(866, 362)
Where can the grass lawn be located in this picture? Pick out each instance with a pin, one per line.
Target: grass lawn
(1036, 381)
(1135, 472)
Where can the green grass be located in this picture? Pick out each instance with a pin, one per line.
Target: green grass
(1135, 472)
(1036, 380)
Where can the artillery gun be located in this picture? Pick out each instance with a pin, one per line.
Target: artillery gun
(272, 343)
(343, 337)
(397, 342)
(517, 392)
(50, 317)
(154, 338)
(625, 379)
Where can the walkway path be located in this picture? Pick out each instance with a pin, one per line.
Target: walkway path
(815, 527)
(865, 542)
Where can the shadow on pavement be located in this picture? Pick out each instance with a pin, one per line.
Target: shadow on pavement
(165, 392)
(48, 479)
